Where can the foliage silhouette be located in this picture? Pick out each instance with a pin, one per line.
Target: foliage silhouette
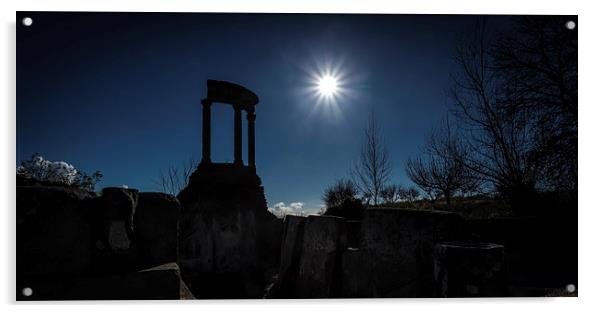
(39, 170)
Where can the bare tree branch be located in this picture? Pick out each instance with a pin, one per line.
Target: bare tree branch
(373, 168)
(174, 179)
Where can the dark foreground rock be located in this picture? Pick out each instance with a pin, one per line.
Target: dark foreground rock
(158, 283)
(53, 231)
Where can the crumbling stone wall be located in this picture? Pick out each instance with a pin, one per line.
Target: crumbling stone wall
(53, 232)
(73, 244)
(398, 245)
(390, 255)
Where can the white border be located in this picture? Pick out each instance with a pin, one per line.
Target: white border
(590, 216)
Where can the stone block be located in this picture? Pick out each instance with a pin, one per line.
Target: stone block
(468, 269)
(156, 228)
(292, 241)
(399, 245)
(352, 233)
(119, 206)
(354, 274)
(320, 257)
(112, 220)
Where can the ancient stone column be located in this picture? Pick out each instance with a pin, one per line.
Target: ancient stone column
(251, 137)
(237, 135)
(206, 131)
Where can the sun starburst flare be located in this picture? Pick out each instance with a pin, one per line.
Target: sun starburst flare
(329, 88)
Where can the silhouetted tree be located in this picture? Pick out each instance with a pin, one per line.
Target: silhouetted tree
(409, 194)
(373, 169)
(516, 101)
(539, 61)
(390, 193)
(441, 171)
(174, 179)
(340, 191)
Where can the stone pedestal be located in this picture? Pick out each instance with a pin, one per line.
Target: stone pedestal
(465, 269)
(223, 231)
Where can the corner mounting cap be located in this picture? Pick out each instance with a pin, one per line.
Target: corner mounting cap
(227, 92)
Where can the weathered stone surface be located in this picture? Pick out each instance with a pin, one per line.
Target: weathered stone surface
(159, 283)
(354, 274)
(156, 228)
(112, 220)
(290, 254)
(399, 244)
(119, 208)
(320, 256)
(464, 269)
(227, 234)
(53, 233)
(352, 233)
(269, 239)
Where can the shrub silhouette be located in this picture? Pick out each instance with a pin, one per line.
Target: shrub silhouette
(351, 209)
(341, 190)
(45, 172)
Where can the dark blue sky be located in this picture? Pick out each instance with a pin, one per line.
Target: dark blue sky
(121, 92)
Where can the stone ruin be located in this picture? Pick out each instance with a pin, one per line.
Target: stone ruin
(216, 239)
(390, 252)
(75, 245)
(229, 241)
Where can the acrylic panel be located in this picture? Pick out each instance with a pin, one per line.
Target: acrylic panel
(278, 156)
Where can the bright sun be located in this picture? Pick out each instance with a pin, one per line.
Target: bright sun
(328, 85)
